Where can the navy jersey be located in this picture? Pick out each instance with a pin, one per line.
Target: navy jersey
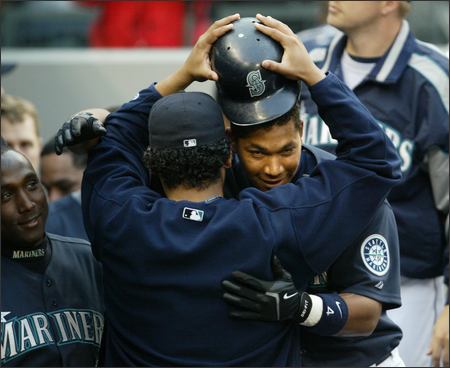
(164, 261)
(54, 317)
(369, 267)
(65, 217)
(407, 92)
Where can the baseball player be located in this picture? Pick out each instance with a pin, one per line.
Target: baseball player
(184, 245)
(51, 302)
(404, 83)
(62, 175)
(367, 275)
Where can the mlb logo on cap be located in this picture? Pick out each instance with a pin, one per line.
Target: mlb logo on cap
(193, 214)
(190, 143)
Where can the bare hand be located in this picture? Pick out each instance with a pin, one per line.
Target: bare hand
(439, 341)
(198, 65)
(296, 63)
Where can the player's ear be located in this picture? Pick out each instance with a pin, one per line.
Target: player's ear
(301, 129)
(388, 7)
(232, 139)
(229, 162)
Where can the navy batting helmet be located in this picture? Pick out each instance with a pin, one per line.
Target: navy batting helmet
(248, 93)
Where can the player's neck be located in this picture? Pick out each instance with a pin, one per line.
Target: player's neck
(372, 40)
(194, 194)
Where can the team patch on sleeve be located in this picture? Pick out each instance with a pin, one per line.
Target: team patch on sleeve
(375, 254)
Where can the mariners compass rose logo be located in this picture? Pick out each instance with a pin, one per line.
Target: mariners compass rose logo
(375, 254)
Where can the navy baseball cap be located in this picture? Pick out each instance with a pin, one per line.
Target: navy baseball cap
(185, 120)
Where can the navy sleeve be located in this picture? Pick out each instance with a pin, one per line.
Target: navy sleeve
(115, 172)
(330, 209)
(371, 266)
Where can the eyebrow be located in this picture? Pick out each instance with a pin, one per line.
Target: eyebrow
(30, 175)
(264, 150)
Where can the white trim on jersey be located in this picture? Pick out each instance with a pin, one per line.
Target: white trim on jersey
(395, 51)
(433, 73)
(333, 44)
(318, 54)
(432, 47)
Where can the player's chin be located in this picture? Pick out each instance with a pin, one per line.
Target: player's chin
(267, 185)
(32, 236)
(333, 20)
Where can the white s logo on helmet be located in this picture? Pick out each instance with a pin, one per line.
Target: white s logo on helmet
(255, 83)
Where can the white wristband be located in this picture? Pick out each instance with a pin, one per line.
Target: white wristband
(316, 311)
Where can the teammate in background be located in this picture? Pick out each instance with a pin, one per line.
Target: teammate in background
(322, 33)
(367, 275)
(51, 300)
(61, 176)
(20, 127)
(191, 241)
(404, 83)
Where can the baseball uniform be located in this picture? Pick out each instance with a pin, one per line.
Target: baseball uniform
(163, 260)
(52, 306)
(369, 267)
(407, 92)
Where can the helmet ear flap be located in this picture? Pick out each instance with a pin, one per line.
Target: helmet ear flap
(248, 93)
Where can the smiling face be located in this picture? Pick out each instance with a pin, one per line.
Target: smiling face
(270, 156)
(24, 204)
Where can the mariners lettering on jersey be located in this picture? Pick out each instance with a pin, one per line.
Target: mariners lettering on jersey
(32, 331)
(28, 253)
(316, 133)
(375, 254)
(255, 83)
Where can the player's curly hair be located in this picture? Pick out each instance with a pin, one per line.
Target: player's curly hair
(196, 167)
(239, 131)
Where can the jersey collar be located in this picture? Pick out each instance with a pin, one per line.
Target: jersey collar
(35, 260)
(390, 66)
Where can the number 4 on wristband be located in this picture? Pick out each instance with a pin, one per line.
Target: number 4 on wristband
(331, 311)
(330, 322)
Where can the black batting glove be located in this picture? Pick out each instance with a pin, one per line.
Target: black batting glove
(252, 298)
(81, 128)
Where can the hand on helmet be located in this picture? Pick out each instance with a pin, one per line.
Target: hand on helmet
(296, 63)
(81, 128)
(198, 65)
